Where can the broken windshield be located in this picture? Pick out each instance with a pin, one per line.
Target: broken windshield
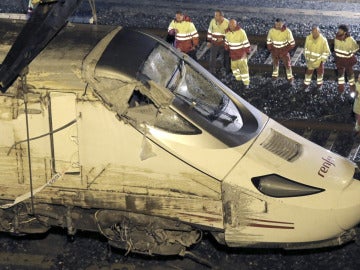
(192, 88)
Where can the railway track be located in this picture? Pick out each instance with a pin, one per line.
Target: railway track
(336, 137)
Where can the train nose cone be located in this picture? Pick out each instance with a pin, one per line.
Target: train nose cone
(348, 207)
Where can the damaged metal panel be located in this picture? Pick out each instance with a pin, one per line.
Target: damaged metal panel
(146, 181)
(240, 209)
(196, 210)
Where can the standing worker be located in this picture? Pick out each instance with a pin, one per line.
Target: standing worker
(356, 107)
(238, 45)
(345, 48)
(186, 35)
(279, 42)
(216, 41)
(317, 52)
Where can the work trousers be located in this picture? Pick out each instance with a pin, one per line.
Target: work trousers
(345, 65)
(319, 71)
(240, 70)
(219, 51)
(285, 58)
(341, 77)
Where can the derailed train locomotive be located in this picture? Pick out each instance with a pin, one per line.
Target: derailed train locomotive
(113, 130)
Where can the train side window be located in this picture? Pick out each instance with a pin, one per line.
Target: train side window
(160, 65)
(143, 111)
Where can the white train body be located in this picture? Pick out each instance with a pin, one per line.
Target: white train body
(133, 128)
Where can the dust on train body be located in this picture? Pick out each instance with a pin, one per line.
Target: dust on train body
(134, 139)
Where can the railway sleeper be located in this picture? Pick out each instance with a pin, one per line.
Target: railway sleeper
(354, 154)
(330, 142)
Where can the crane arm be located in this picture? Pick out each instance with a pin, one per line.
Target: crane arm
(48, 18)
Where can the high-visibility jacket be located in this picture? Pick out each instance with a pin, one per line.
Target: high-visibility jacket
(345, 48)
(186, 35)
(356, 106)
(316, 50)
(216, 32)
(237, 43)
(281, 41)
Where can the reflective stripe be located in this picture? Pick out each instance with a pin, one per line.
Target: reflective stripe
(319, 80)
(344, 54)
(289, 74)
(307, 52)
(275, 71)
(307, 79)
(245, 78)
(218, 34)
(237, 74)
(281, 44)
(183, 38)
(341, 80)
(187, 36)
(238, 46)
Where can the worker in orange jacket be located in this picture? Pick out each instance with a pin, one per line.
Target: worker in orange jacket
(279, 42)
(186, 35)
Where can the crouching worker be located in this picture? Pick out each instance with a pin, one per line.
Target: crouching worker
(237, 43)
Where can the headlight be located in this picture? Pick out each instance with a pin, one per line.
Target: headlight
(277, 186)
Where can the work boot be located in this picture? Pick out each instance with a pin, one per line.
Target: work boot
(319, 87)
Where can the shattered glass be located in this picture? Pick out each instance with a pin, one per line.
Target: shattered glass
(160, 65)
(208, 100)
(172, 122)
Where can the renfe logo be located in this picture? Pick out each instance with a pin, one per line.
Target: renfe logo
(328, 162)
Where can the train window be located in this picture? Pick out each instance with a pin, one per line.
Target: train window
(143, 111)
(208, 100)
(193, 89)
(171, 121)
(160, 65)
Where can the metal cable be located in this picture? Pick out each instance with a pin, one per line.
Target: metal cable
(23, 86)
(43, 135)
